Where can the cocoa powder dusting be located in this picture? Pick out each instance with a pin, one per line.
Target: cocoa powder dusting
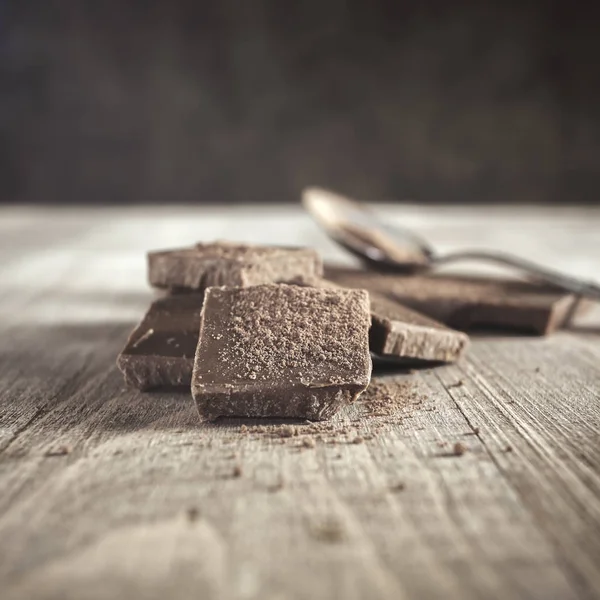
(387, 397)
(324, 332)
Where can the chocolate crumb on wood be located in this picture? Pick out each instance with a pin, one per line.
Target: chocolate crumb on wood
(460, 449)
(329, 531)
(225, 263)
(287, 431)
(458, 384)
(59, 451)
(290, 351)
(192, 514)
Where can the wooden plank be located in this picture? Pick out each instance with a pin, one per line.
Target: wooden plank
(110, 492)
(141, 458)
(542, 400)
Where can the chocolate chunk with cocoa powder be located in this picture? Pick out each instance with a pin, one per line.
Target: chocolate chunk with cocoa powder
(281, 351)
(231, 264)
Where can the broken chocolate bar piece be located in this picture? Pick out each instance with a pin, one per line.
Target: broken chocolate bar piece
(160, 350)
(223, 263)
(467, 303)
(281, 351)
(399, 332)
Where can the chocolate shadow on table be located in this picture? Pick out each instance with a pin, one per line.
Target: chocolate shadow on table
(499, 332)
(586, 329)
(383, 365)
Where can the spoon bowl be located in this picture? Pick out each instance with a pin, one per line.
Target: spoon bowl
(355, 227)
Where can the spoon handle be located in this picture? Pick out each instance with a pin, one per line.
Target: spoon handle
(575, 285)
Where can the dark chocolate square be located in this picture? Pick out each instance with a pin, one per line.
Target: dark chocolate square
(160, 350)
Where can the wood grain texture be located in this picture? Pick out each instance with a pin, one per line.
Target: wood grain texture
(476, 480)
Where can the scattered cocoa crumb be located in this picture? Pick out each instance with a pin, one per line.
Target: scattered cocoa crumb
(459, 449)
(329, 531)
(399, 487)
(59, 451)
(276, 487)
(459, 383)
(385, 397)
(476, 430)
(537, 369)
(237, 471)
(287, 431)
(508, 449)
(193, 514)
(308, 442)
(358, 440)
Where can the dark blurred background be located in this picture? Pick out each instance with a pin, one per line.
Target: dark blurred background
(231, 100)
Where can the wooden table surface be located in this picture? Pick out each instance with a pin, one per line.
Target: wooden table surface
(107, 492)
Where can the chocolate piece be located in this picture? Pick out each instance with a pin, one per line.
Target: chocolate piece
(281, 351)
(160, 350)
(399, 332)
(467, 303)
(223, 263)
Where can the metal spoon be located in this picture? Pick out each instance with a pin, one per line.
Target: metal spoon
(353, 226)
